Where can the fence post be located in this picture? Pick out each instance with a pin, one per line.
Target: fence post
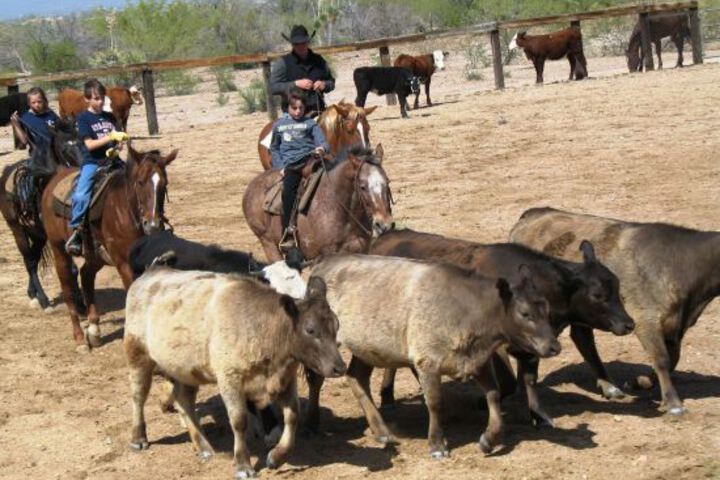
(696, 36)
(385, 61)
(149, 93)
(575, 23)
(269, 100)
(497, 59)
(645, 41)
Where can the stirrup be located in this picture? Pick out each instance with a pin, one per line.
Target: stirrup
(289, 239)
(74, 244)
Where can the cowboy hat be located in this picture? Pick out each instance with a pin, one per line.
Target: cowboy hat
(298, 34)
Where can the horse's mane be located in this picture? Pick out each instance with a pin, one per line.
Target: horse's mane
(363, 153)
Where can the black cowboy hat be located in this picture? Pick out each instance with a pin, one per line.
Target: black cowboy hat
(299, 34)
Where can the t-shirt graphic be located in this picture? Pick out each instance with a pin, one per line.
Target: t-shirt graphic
(95, 126)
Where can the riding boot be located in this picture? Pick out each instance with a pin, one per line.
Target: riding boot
(73, 246)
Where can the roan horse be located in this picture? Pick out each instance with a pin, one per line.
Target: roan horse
(23, 214)
(344, 125)
(351, 205)
(133, 206)
(675, 27)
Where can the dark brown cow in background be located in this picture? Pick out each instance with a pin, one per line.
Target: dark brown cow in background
(423, 67)
(668, 275)
(118, 100)
(675, 27)
(553, 46)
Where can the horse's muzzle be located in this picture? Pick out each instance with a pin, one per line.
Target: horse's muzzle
(150, 227)
(381, 227)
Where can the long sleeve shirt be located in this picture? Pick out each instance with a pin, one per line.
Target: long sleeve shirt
(294, 140)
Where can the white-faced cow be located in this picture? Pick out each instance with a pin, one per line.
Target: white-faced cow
(199, 327)
(437, 318)
(423, 67)
(118, 101)
(668, 275)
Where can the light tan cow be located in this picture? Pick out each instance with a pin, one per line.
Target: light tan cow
(200, 327)
(441, 319)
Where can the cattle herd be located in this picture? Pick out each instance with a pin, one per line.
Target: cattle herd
(198, 314)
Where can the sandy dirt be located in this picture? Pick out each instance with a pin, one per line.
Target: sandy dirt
(639, 147)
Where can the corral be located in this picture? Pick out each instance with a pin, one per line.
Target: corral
(637, 147)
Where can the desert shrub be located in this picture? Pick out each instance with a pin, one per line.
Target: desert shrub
(252, 97)
(476, 58)
(225, 80)
(222, 99)
(177, 82)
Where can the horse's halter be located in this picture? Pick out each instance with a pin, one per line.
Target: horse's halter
(160, 193)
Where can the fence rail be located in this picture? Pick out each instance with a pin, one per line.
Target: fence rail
(383, 44)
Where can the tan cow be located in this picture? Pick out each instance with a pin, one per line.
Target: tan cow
(200, 327)
(118, 101)
(440, 319)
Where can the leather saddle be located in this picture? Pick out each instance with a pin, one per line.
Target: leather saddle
(62, 193)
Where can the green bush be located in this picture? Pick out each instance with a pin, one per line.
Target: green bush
(222, 99)
(476, 59)
(253, 97)
(177, 82)
(224, 79)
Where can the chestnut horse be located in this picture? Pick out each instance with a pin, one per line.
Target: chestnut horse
(133, 206)
(675, 27)
(22, 215)
(351, 205)
(344, 125)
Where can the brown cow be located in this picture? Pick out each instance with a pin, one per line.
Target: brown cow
(668, 275)
(438, 318)
(118, 100)
(423, 67)
(583, 296)
(554, 46)
(200, 327)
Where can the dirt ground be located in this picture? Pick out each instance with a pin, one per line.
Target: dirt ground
(639, 147)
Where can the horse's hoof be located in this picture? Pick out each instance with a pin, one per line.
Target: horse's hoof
(34, 303)
(49, 310)
(93, 335)
(245, 473)
(439, 454)
(485, 445)
(541, 420)
(139, 445)
(82, 349)
(206, 455)
(270, 461)
(386, 440)
(644, 382)
(613, 393)
(677, 411)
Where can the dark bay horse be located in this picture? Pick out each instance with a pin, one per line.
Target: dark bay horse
(675, 27)
(21, 209)
(134, 205)
(344, 125)
(553, 46)
(352, 204)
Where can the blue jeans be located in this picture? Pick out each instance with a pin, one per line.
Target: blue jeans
(82, 194)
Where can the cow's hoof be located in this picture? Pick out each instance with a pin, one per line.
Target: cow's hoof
(613, 393)
(34, 303)
(540, 420)
(245, 473)
(206, 455)
(270, 461)
(272, 438)
(439, 454)
(49, 310)
(140, 444)
(485, 445)
(644, 382)
(82, 349)
(386, 440)
(677, 411)
(93, 335)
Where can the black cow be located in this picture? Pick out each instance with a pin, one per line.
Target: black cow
(384, 80)
(15, 102)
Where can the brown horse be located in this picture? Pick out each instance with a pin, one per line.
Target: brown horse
(553, 46)
(344, 125)
(21, 208)
(133, 206)
(352, 204)
(675, 27)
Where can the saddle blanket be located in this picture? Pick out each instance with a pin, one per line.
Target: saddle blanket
(62, 193)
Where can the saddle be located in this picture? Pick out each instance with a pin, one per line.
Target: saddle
(312, 173)
(24, 190)
(62, 193)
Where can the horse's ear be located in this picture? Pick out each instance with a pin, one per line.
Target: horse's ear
(343, 109)
(132, 153)
(370, 110)
(171, 156)
(379, 152)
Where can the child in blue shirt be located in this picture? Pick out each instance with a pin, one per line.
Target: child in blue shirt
(32, 127)
(97, 132)
(295, 139)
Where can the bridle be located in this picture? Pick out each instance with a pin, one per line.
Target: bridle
(160, 199)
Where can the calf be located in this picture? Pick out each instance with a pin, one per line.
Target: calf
(438, 318)
(383, 80)
(668, 275)
(199, 328)
(118, 100)
(15, 102)
(423, 67)
(554, 46)
(584, 296)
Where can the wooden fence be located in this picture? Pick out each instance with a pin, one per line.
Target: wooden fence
(492, 29)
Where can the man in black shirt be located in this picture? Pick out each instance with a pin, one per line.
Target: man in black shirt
(302, 68)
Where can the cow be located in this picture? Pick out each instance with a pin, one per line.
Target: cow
(583, 296)
(439, 319)
(554, 46)
(383, 80)
(668, 275)
(198, 328)
(15, 102)
(423, 67)
(674, 26)
(118, 101)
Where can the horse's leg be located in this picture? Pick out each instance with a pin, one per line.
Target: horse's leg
(32, 265)
(63, 264)
(658, 51)
(427, 92)
(272, 252)
(87, 278)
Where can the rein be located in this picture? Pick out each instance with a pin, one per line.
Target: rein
(355, 191)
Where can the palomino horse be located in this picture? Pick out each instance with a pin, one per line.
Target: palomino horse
(133, 206)
(22, 211)
(675, 27)
(351, 205)
(344, 125)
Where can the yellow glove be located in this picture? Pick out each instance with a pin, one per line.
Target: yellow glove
(119, 136)
(111, 152)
